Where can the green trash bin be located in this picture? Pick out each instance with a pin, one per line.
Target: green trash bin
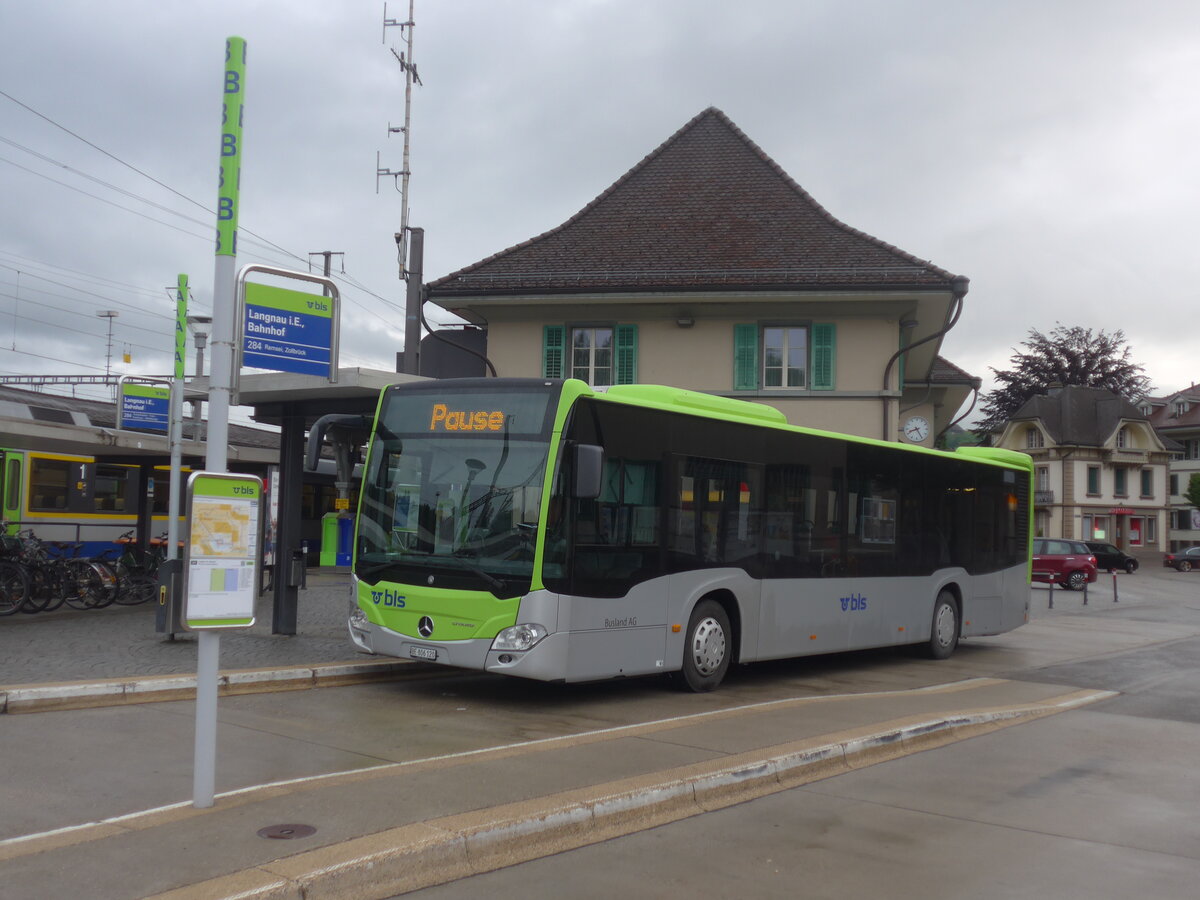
(329, 539)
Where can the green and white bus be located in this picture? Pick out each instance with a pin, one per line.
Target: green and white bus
(555, 531)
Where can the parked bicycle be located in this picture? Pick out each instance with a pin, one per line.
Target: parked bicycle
(137, 569)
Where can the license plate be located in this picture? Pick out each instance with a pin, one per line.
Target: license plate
(422, 652)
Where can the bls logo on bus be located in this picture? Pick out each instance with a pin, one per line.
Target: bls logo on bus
(854, 603)
(387, 598)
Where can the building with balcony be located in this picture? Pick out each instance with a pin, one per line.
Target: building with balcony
(1100, 468)
(1176, 417)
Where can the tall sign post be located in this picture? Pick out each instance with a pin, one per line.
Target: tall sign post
(175, 434)
(220, 388)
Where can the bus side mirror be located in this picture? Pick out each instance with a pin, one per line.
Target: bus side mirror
(589, 470)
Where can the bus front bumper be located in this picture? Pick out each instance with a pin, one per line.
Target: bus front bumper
(546, 661)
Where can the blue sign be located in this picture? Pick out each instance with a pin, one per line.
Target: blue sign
(145, 407)
(287, 331)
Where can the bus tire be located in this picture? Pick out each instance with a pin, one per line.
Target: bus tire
(943, 636)
(708, 649)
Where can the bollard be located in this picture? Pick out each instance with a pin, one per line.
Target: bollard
(1051, 586)
(1114, 575)
(1085, 592)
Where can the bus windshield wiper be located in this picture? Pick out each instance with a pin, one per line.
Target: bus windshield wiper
(491, 580)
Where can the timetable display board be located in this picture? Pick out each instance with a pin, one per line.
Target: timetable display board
(221, 550)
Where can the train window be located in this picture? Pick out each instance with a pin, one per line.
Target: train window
(110, 487)
(12, 484)
(48, 482)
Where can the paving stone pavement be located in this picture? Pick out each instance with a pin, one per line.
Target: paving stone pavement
(75, 645)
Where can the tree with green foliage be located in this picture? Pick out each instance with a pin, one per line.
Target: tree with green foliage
(1192, 494)
(1066, 356)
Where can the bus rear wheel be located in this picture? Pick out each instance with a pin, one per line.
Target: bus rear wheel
(708, 649)
(943, 637)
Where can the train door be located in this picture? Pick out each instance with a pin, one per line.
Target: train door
(12, 483)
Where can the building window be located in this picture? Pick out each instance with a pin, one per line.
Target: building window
(1193, 449)
(1123, 439)
(1033, 438)
(1181, 407)
(784, 357)
(1093, 480)
(592, 355)
(1120, 487)
(1174, 480)
(1043, 478)
(1151, 530)
(1147, 482)
(601, 355)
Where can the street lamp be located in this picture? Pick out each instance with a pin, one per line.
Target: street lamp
(199, 326)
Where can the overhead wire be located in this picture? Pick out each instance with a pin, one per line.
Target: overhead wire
(247, 236)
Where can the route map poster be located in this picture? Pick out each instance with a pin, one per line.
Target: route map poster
(221, 550)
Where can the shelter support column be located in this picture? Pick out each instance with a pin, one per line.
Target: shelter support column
(291, 473)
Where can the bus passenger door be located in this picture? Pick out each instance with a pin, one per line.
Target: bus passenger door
(12, 482)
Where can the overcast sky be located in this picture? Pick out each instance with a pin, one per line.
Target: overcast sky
(1043, 148)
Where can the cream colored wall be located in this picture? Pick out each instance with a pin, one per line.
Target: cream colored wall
(700, 358)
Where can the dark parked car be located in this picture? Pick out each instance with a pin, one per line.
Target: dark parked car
(1069, 563)
(1183, 560)
(1109, 557)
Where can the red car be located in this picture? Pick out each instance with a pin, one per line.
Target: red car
(1069, 563)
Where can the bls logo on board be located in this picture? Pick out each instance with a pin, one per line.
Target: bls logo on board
(854, 603)
(387, 598)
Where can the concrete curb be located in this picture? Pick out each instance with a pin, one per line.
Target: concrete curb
(415, 856)
(156, 689)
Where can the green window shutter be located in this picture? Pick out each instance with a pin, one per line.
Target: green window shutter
(553, 351)
(626, 358)
(745, 356)
(824, 356)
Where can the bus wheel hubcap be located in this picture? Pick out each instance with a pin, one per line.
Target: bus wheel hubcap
(708, 646)
(945, 626)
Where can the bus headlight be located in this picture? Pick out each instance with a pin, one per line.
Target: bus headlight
(358, 618)
(519, 637)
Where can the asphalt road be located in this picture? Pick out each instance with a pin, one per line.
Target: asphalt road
(1094, 803)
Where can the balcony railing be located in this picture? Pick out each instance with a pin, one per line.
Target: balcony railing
(1043, 498)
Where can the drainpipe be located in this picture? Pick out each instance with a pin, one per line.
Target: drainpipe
(959, 285)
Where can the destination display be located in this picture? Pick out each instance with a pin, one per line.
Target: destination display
(145, 407)
(286, 331)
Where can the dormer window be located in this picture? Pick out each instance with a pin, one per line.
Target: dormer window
(1123, 439)
(1181, 407)
(1033, 439)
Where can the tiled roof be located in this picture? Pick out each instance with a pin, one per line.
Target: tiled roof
(1164, 416)
(708, 209)
(946, 372)
(1081, 416)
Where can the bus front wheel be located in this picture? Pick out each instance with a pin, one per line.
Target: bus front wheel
(943, 637)
(708, 648)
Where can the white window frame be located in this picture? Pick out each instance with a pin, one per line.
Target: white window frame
(1034, 439)
(786, 349)
(588, 371)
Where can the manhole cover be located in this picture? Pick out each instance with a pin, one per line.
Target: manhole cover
(286, 832)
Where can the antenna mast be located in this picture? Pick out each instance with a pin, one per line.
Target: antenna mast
(401, 178)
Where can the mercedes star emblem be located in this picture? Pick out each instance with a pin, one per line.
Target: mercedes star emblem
(425, 626)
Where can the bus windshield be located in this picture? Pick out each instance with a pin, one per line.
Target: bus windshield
(452, 492)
